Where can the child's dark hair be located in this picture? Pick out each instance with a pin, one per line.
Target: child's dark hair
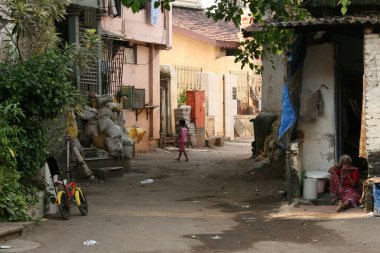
(182, 122)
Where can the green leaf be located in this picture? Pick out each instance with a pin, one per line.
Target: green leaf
(344, 10)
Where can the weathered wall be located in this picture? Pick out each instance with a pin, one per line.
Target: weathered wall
(145, 75)
(320, 134)
(136, 27)
(272, 79)
(372, 102)
(4, 38)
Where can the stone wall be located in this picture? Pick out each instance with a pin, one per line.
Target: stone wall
(372, 101)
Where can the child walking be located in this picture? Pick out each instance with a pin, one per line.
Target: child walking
(182, 140)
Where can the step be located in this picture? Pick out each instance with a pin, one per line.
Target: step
(92, 163)
(108, 172)
(12, 230)
(101, 162)
(90, 152)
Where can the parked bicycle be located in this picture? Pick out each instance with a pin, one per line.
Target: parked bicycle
(68, 194)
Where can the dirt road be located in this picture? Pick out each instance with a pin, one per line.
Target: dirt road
(214, 203)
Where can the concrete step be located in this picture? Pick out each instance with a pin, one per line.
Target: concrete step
(13, 230)
(108, 172)
(93, 162)
(90, 152)
(101, 162)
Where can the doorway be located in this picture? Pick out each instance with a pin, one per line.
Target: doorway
(349, 92)
(164, 107)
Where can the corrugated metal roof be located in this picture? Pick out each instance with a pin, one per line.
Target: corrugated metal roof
(331, 21)
(316, 23)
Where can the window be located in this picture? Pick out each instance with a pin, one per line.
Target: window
(234, 93)
(130, 55)
(230, 52)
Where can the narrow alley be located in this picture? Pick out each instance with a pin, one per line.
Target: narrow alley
(217, 202)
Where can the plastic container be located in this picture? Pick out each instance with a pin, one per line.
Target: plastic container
(321, 176)
(310, 188)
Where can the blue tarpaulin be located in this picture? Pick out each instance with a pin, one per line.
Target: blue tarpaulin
(291, 91)
(288, 114)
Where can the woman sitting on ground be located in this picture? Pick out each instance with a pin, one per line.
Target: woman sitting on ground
(344, 181)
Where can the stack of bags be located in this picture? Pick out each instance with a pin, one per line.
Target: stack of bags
(183, 113)
(105, 126)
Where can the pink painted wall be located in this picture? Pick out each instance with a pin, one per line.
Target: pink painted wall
(138, 75)
(135, 27)
(145, 74)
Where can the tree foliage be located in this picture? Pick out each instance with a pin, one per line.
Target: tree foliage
(35, 87)
(32, 30)
(12, 203)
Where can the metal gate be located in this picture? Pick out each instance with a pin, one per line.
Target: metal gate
(112, 67)
(244, 88)
(188, 78)
(89, 80)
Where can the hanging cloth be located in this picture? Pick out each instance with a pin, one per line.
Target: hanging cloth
(311, 105)
(154, 12)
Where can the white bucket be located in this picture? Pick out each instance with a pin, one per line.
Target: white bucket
(321, 176)
(310, 188)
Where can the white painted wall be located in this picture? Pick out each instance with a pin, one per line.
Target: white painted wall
(230, 82)
(219, 102)
(372, 101)
(272, 81)
(320, 134)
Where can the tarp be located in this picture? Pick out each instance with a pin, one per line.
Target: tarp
(292, 91)
(288, 114)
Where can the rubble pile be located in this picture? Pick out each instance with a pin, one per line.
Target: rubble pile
(104, 125)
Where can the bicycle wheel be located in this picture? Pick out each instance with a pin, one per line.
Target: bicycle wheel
(64, 206)
(83, 207)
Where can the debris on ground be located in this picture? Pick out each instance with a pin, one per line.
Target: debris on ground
(90, 243)
(147, 181)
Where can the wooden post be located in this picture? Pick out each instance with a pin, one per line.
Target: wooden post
(289, 177)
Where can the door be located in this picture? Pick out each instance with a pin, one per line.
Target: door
(164, 107)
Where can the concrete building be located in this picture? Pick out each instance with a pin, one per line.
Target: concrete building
(338, 58)
(131, 63)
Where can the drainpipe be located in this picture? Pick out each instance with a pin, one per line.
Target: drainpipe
(224, 105)
(151, 86)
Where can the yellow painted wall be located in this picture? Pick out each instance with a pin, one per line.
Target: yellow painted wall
(187, 51)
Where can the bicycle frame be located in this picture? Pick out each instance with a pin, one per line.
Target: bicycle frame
(72, 191)
(68, 194)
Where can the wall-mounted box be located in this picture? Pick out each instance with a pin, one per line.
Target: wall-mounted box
(138, 101)
(126, 93)
(132, 98)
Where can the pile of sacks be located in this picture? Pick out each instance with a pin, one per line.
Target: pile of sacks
(105, 126)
